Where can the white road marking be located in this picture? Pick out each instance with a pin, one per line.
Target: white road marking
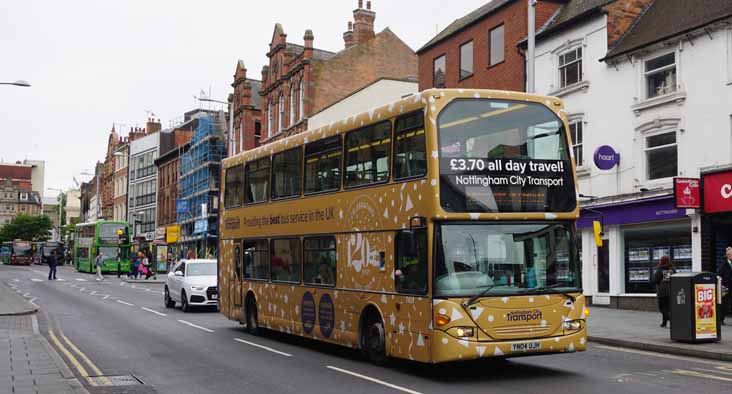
(82, 288)
(81, 280)
(125, 303)
(374, 380)
(105, 297)
(36, 280)
(662, 355)
(27, 295)
(32, 299)
(263, 347)
(154, 311)
(16, 280)
(196, 326)
(61, 280)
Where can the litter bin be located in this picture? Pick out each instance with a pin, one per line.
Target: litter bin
(694, 303)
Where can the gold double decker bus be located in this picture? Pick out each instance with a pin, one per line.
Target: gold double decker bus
(436, 228)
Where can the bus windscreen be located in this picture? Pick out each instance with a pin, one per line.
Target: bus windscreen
(504, 156)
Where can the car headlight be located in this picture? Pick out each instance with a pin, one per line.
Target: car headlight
(197, 288)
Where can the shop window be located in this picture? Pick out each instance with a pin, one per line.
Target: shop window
(570, 67)
(319, 265)
(234, 195)
(438, 72)
(410, 159)
(576, 130)
(323, 165)
(497, 52)
(367, 155)
(411, 261)
(660, 75)
(644, 247)
(286, 173)
(256, 259)
(285, 263)
(661, 156)
(466, 60)
(257, 181)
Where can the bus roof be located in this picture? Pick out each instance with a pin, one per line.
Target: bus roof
(395, 108)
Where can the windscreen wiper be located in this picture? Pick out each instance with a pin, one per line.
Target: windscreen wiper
(544, 288)
(474, 298)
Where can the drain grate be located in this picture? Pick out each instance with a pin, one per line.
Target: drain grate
(118, 380)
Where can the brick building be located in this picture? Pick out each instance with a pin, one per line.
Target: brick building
(106, 208)
(247, 110)
(301, 80)
(168, 164)
(480, 50)
(119, 179)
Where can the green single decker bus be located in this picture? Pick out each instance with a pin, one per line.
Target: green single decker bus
(102, 236)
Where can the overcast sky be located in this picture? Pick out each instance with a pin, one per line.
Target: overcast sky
(96, 62)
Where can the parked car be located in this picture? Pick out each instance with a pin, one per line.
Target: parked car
(192, 283)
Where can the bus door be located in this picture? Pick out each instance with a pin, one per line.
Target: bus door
(235, 284)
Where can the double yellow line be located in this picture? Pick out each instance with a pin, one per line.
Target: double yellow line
(98, 378)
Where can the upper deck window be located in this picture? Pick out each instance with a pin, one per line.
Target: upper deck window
(257, 181)
(234, 194)
(503, 156)
(323, 165)
(410, 159)
(287, 173)
(367, 155)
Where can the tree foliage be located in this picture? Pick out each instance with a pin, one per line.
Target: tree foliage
(27, 228)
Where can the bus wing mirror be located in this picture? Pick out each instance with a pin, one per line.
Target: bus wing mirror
(597, 230)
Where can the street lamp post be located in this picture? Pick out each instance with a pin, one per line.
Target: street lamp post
(19, 82)
(60, 207)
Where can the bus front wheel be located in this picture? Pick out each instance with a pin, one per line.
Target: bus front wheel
(375, 341)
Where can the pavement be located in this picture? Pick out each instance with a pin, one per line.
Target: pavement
(640, 330)
(28, 363)
(12, 303)
(114, 329)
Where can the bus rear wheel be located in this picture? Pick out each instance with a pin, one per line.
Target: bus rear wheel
(375, 342)
(252, 320)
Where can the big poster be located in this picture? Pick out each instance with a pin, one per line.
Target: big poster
(705, 311)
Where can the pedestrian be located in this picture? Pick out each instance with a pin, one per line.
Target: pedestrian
(146, 265)
(52, 262)
(169, 262)
(190, 255)
(99, 261)
(662, 279)
(725, 272)
(133, 267)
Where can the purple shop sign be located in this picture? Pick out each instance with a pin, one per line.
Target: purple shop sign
(606, 158)
(633, 212)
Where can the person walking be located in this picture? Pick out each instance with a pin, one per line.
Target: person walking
(725, 272)
(662, 279)
(146, 264)
(52, 262)
(99, 261)
(133, 267)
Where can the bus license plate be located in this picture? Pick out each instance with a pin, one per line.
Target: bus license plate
(525, 346)
(214, 296)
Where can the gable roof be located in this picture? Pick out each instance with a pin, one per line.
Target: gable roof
(318, 54)
(665, 19)
(572, 11)
(464, 22)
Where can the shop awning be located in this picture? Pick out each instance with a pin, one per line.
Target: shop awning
(632, 212)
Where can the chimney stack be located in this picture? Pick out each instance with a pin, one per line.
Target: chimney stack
(348, 36)
(309, 37)
(153, 125)
(363, 28)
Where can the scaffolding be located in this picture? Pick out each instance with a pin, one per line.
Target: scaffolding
(199, 184)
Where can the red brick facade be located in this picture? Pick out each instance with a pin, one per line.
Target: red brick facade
(107, 200)
(247, 112)
(507, 75)
(301, 80)
(168, 173)
(621, 15)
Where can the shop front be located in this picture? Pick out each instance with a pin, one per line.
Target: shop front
(637, 234)
(717, 217)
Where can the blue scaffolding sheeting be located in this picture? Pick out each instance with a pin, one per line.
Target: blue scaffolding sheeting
(200, 178)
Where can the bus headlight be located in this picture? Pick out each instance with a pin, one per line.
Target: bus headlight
(572, 325)
(465, 332)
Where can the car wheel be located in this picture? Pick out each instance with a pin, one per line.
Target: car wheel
(169, 303)
(252, 320)
(184, 302)
(375, 342)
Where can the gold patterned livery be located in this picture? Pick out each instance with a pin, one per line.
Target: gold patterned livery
(439, 227)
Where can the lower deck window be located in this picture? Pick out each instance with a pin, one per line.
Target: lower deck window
(256, 259)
